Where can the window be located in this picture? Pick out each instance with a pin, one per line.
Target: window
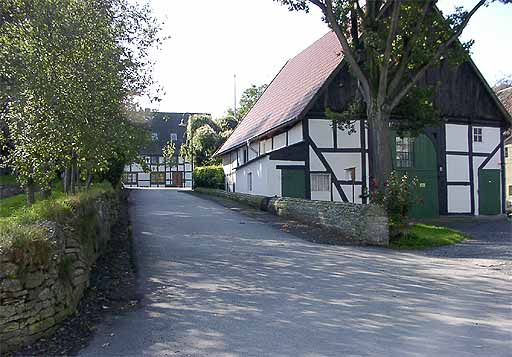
(130, 178)
(506, 151)
(174, 137)
(477, 135)
(404, 152)
(157, 178)
(154, 136)
(321, 182)
(510, 190)
(245, 157)
(249, 181)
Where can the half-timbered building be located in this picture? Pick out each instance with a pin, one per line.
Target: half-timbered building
(164, 127)
(286, 145)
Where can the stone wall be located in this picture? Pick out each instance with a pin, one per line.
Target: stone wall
(351, 222)
(41, 282)
(10, 190)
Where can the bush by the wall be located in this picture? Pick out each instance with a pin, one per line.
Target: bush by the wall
(209, 177)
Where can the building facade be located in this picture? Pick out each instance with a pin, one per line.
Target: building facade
(164, 127)
(505, 95)
(286, 145)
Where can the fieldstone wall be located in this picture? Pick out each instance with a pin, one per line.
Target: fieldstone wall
(42, 283)
(354, 223)
(10, 190)
(351, 222)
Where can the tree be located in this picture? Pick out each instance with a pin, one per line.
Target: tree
(389, 45)
(169, 153)
(202, 139)
(69, 70)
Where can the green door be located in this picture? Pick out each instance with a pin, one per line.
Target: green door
(293, 183)
(489, 191)
(423, 166)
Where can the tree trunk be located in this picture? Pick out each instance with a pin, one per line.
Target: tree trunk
(89, 180)
(73, 175)
(31, 195)
(380, 148)
(67, 178)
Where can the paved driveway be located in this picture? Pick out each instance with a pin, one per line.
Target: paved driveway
(219, 283)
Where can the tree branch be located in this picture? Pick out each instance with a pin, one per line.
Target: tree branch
(384, 68)
(440, 51)
(407, 51)
(327, 9)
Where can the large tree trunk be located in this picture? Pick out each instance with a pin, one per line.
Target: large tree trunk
(380, 148)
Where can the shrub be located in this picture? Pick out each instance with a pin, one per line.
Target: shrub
(209, 177)
(398, 196)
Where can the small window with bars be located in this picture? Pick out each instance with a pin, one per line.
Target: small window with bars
(320, 182)
(477, 135)
(404, 152)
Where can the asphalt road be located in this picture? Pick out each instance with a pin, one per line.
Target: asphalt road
(216, 282)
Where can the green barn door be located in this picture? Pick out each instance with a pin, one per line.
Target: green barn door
(293, 183)
(489, 191)
(422, 164)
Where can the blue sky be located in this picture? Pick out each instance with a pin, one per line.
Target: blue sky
(210, 41)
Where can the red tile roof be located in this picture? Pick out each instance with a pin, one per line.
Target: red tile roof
(505, 95)
(290, 92)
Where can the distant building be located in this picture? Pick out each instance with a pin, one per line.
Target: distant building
(164, 127)
(286, 144)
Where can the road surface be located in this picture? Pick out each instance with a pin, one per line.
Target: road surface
(216, 282)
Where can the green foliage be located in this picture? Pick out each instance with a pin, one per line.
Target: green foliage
(69, 70)
(169, 153)
(397, 197)
(202, 140)
(209, 177)
(423, 236)
(7, 180)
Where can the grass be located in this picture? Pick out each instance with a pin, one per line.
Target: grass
(423, 236)
(7, 180)
(17, 219)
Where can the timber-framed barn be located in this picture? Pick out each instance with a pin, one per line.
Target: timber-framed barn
(286, 145)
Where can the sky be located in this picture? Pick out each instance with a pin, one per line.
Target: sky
(213, 40)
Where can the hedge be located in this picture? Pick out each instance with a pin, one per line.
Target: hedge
(209, 177)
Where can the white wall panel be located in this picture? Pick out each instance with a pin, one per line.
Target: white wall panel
(340, 161)
(459, 199)
(490, 139)
(266, 179)
(457, 168)
(321, 195)
(456, 137)
(335, 194)
(346, 140)
(320, 131)
(253, 150)
(314, 162)
(279, 141)
(348, 192)
(295, 134)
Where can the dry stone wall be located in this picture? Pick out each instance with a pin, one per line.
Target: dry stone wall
(10, 190)
(351, 222)
(42, 283)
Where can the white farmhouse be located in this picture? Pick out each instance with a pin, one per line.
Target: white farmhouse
(286, 146)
